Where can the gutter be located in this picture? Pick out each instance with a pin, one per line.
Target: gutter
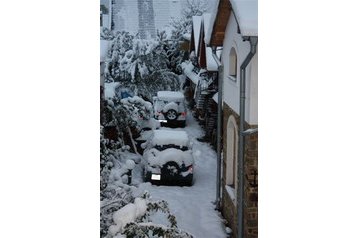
(241, 165)
(218, 128)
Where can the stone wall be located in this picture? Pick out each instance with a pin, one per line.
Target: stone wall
(229, 209)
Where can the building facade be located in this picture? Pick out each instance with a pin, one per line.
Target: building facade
(234, 28)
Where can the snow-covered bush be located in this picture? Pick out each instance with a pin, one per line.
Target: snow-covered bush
(134, 218)
(106, 34)
(140, 65)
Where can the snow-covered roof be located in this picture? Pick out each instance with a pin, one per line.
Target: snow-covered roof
(104, 50)
(211, 64)
(188, 71)
(170, 95)
(246, 13)
(206, 19)
(210, 25)
(196, 29)
(166, 137)
(215, 97)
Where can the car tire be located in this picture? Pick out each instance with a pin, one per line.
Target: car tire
(171, 115)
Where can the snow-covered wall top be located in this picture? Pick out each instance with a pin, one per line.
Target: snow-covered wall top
(246, 12)
(170, 95)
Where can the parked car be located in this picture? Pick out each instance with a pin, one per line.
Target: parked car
(146, 133)
(169, 108)
(168, 158)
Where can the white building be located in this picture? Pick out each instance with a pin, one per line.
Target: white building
(234, 28)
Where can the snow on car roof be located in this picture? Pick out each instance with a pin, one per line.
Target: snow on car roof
(170, 95)
(166, 137)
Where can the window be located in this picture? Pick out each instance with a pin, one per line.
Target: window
(231, 152)
(233, 63)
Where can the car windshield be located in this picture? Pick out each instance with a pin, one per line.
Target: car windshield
(164, 147)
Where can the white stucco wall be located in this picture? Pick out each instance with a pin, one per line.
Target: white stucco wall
(231, 95)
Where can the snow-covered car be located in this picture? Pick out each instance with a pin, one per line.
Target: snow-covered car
(169, 107)
(168, 158)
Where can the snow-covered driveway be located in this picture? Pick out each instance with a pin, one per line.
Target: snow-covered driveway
(193, 206)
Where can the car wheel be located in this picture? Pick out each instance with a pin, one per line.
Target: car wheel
(171, 115)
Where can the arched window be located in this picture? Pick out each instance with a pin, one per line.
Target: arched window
(233, 63)
(231, 152)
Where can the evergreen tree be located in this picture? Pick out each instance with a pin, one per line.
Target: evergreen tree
(140, 65)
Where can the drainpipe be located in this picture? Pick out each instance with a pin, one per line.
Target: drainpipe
(241, 165)
(218, 129)
(110, 15)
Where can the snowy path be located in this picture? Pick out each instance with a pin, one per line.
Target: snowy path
(193, 206)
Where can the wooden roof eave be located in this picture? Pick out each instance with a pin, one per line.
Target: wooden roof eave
(221, 20)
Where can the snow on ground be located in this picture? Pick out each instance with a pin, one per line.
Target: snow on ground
(193, 206)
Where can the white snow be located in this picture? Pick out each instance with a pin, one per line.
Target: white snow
(211, 64)
(128, 213)
(148, 106)
(110, 89)
(192, 206)
(196, 29)
(250, 130)
(170, 95)
(166, 137)
(188, 67)
(156, 157)
(104, 50)
(209, 31)
(130, 164)
(246, 12)
(215, 97)
(171, 106)
(153, 123)
(231, 192)
(187, 36)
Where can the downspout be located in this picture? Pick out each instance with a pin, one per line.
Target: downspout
(218, 128)
(240, 166)
(110, 15)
